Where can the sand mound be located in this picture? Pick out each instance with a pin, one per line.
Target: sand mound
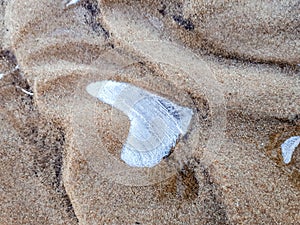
(227, 169)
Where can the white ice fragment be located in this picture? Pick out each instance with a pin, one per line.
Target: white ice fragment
(26, 92)
(155, 122)
(288, 147)
(72, 2)
(1, 75)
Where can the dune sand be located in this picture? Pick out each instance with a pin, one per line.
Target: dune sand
(235, 64)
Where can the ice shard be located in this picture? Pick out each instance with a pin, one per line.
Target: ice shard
(288, 147)
(155, 122)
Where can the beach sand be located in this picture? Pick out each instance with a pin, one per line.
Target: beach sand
(235, 65)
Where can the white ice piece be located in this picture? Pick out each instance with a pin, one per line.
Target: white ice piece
(1, 75)
(155, 122)
(288, 147)
(72, 2)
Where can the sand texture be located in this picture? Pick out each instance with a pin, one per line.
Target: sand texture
(236, 65)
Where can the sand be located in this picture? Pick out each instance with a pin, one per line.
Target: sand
(234, 64)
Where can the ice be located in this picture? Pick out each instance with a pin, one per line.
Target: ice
(155, 122)
(288, 148)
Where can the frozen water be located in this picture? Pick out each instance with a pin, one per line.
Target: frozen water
(288, 147)
(155, 122)
(72, 2)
